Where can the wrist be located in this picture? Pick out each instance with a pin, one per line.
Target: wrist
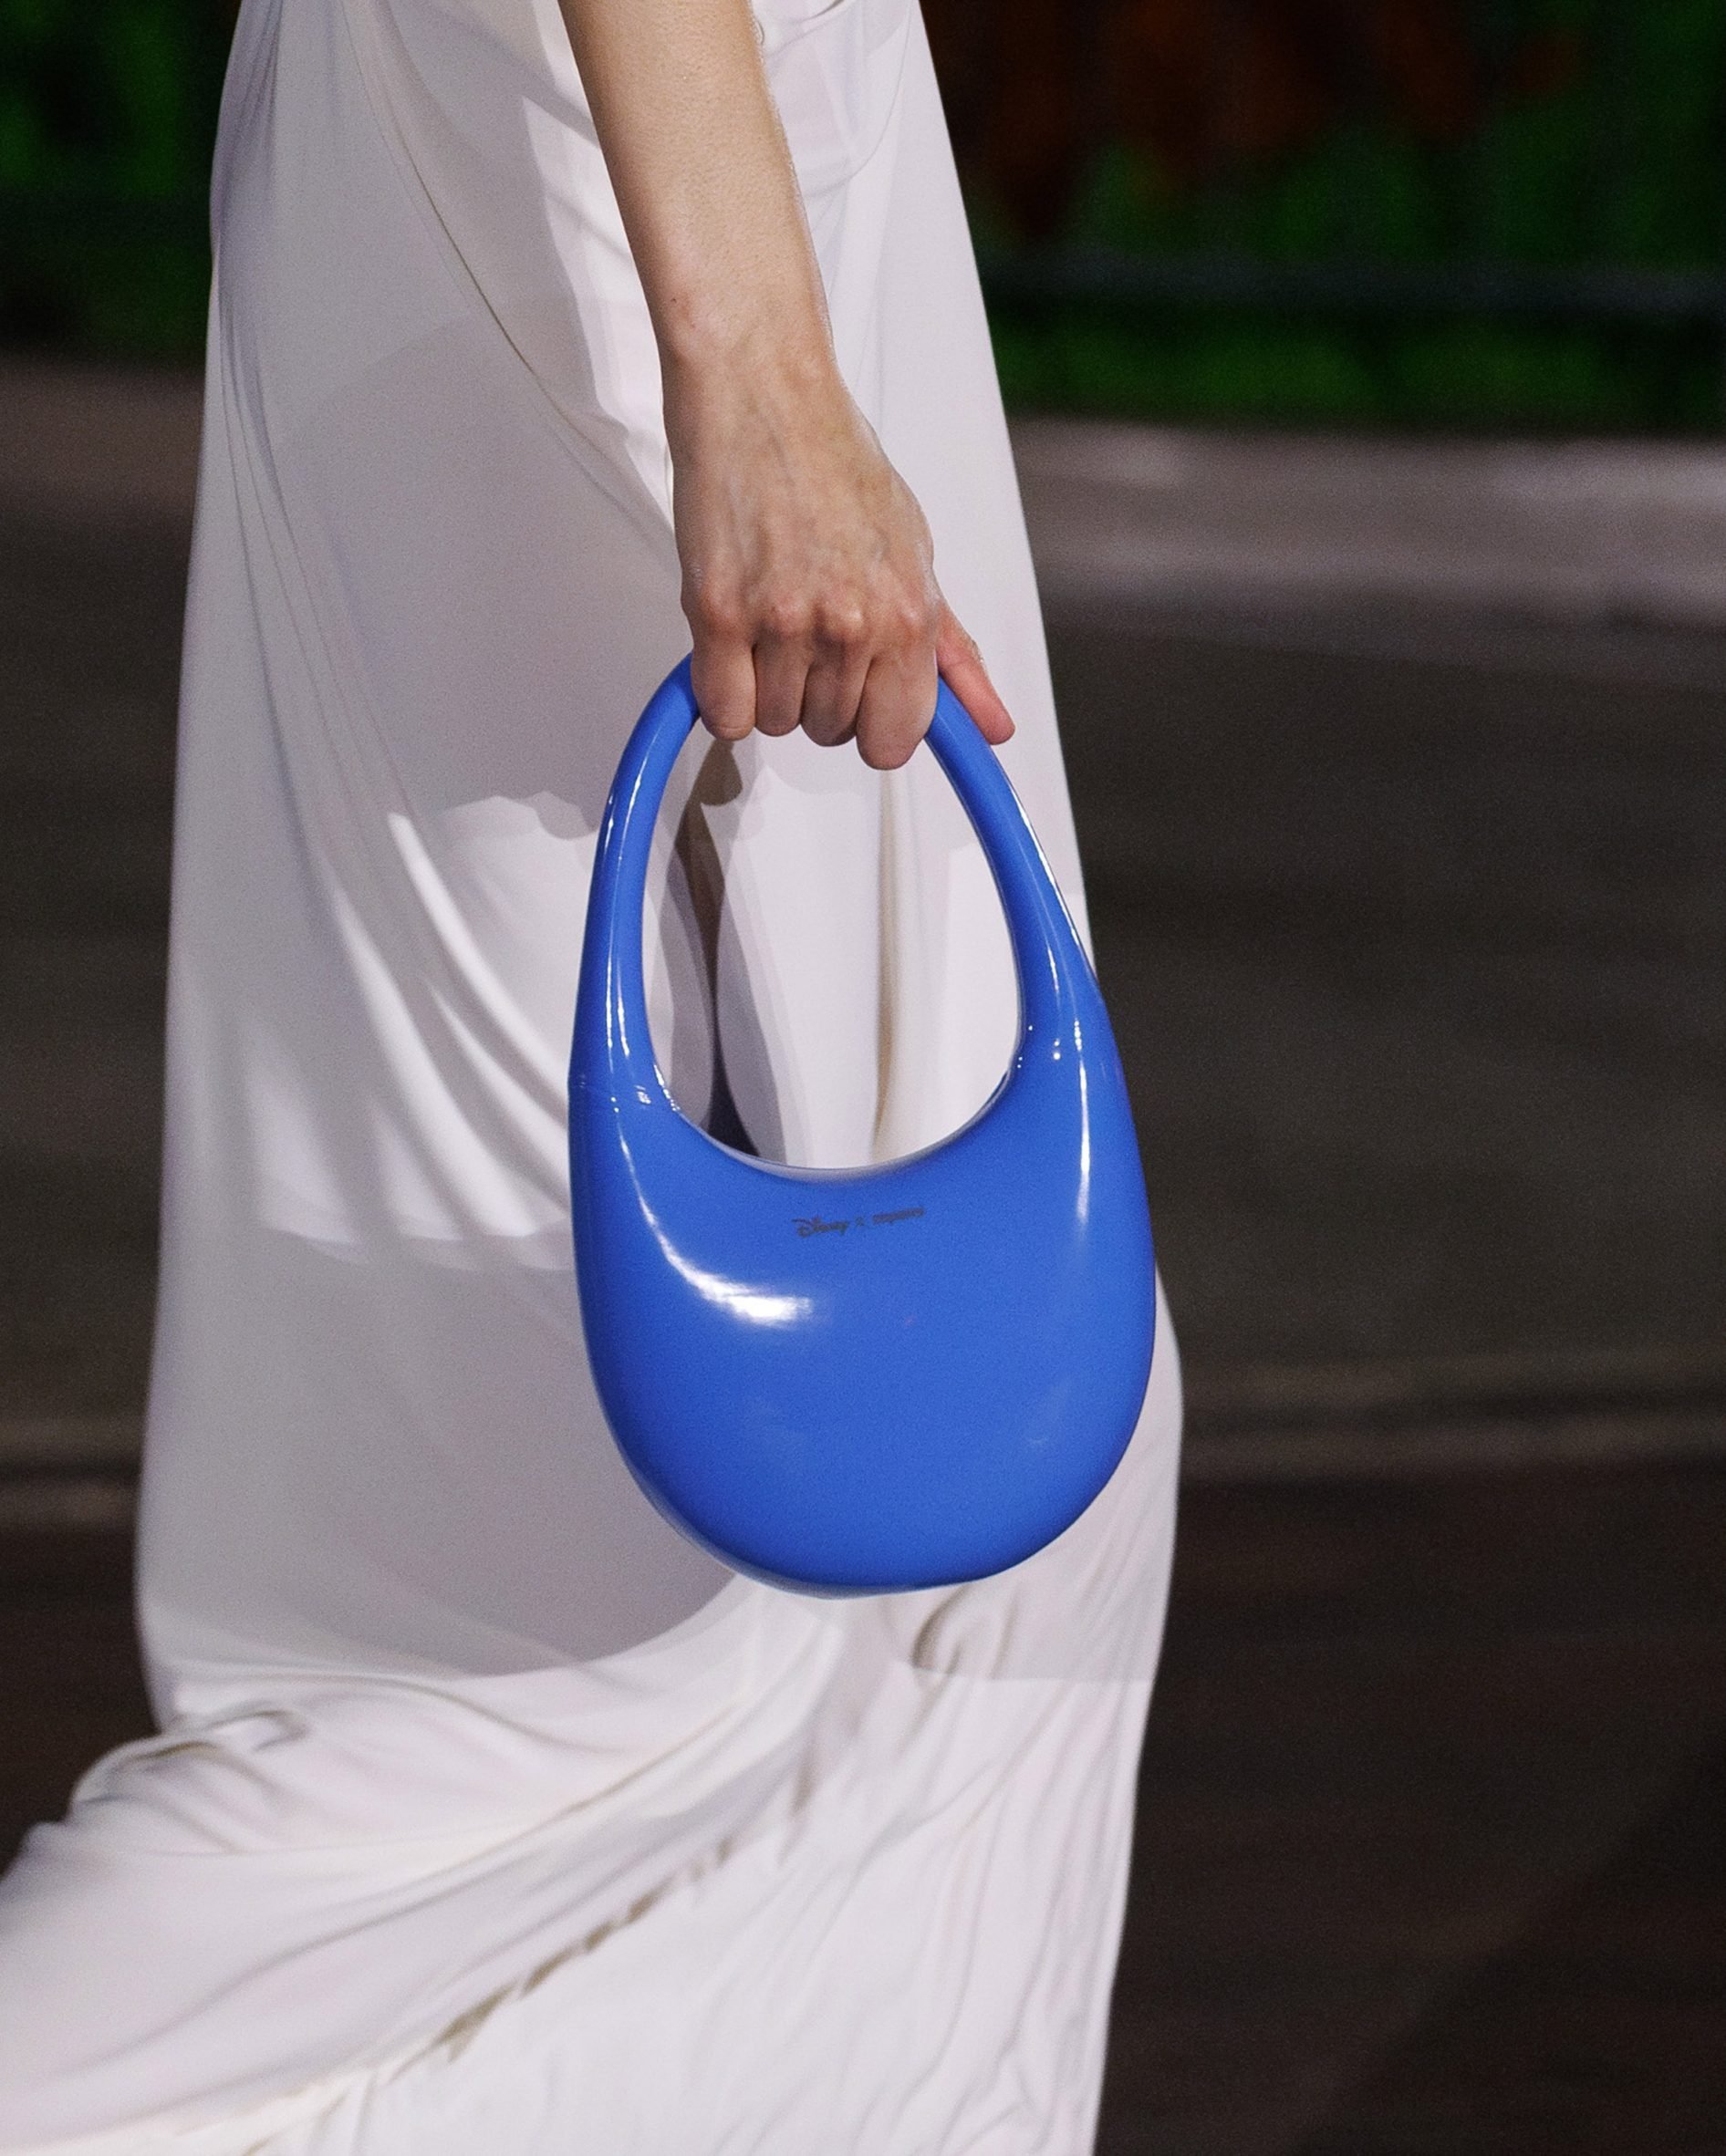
(713, 386)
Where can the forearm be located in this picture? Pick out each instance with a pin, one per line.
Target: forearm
(808, 576)
(704, 180)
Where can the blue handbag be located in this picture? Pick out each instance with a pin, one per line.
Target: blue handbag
(869, 1379)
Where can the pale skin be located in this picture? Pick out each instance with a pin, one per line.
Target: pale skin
(808, 573)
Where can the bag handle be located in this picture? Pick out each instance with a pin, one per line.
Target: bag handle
(1056, 982)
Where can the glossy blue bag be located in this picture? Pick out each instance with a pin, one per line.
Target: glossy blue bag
(871, 1378)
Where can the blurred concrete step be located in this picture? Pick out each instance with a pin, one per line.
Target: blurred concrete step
(1456, 1415)
(1561, 532)
(82, 441)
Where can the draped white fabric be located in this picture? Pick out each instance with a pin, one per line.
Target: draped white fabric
(488, 1815)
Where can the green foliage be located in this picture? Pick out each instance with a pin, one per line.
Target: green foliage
(1620, 159)
(115, 95)
(1623, 162)
(1211, 365)
(1617, 155)
(107, 113)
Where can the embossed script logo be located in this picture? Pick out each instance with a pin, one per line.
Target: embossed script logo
(817, 1225)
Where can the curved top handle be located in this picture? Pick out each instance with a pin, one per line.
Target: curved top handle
(1054, 971)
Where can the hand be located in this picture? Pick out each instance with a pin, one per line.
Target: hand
(808, 574)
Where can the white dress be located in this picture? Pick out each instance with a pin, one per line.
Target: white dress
(487, 1815)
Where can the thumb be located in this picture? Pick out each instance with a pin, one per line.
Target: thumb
(962, 669)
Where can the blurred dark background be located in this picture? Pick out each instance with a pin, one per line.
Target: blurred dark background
(1418, 212)
(1369, 366)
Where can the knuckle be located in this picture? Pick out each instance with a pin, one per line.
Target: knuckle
(784, 615)
(718, 610)
(842, 621)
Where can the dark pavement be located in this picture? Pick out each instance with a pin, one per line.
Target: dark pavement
(1431, 1860)
(1415, 933)
(1431, 1855)
(1418, 963)
(89, 629)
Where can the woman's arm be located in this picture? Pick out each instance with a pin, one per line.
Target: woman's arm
(807, 571)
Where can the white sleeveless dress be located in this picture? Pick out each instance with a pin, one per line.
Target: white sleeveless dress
(487, 1814)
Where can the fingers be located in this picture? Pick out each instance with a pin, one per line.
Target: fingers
(898, 703)
(898, 699)
(841, 689)
(833, 690)
(781, 682)
(723, 675)
(963, 670)
(780, 670)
